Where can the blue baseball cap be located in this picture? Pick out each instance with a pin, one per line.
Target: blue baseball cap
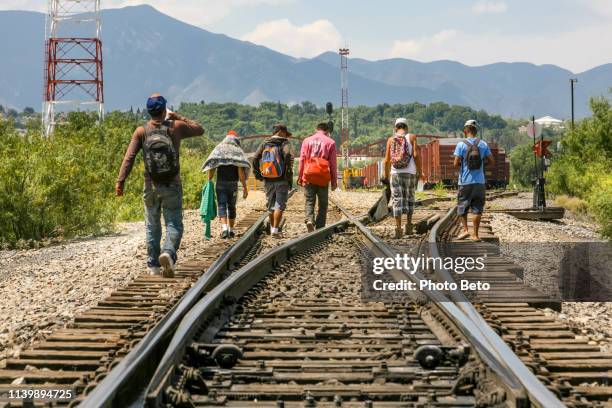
(156, 104)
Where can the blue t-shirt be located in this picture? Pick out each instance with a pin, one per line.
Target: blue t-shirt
(467, 176)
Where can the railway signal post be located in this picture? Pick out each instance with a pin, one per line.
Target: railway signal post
(540, 149)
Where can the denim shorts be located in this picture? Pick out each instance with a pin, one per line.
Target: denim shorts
(471, 196)
(277, 193)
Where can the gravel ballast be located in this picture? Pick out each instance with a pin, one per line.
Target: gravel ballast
(541, 259)
(45, 288)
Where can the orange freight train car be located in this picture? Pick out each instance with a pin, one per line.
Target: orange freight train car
(437, 164)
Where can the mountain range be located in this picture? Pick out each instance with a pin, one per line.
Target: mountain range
(147, 51)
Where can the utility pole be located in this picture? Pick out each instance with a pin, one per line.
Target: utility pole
(344, 129)
(572, 82)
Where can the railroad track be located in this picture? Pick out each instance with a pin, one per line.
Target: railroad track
(122, 335)
(78, 356)
(291, 329)
(573, 368)
(577, 371)
(306, 338)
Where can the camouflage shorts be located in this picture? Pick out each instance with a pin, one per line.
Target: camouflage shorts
(403, 186)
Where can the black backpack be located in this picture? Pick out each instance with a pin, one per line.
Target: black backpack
(474, 161)
(160, 157)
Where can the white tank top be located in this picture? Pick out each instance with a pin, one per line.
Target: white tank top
(411, 168)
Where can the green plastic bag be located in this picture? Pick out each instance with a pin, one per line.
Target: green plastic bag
(208, 206)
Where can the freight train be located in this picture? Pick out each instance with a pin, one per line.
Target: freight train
(437, 166)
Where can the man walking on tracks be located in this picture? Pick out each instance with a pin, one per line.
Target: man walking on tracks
(273, 163)
(317, 170)
(402, 164)
(471, 154)
(160, 141)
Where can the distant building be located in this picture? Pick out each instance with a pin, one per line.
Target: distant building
(522, 129)
(549, 121)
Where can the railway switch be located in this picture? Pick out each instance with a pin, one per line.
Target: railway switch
(227, 355)
(430, 357)
(204, 354)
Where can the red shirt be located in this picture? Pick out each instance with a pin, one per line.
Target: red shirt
(319, 145)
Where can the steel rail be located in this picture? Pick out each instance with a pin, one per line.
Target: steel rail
(227, 292)
(126, 380)
(492, 348)
(538, 393)
(466, 326)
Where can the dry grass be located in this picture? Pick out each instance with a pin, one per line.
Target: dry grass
(573, 204)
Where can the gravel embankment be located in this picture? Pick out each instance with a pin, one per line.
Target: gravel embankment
(44, 288)
(357, 202)
(538, 247)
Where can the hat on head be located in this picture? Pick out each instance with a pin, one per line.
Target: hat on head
(471, 123)
(233, 137)
(280, 127)
(156, 104)
(401, 121)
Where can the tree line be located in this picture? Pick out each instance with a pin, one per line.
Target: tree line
(63, 186)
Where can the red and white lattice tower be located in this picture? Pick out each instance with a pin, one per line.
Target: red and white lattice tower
(73, 60)
(344, 121)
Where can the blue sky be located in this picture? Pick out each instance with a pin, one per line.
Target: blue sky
(573, 34)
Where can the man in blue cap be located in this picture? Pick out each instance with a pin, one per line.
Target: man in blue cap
(160, 141)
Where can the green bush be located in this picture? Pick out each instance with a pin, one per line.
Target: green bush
(600, 205)
(439, 189)
(64, 186)
(522, 166)
(584, 168)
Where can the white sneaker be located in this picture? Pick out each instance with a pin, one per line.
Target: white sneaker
(167, 264)
(154, 270)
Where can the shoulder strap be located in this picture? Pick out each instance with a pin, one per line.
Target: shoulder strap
(169, 125)
(281, 149)
(476, 142)
(147, 130)
(409, 150)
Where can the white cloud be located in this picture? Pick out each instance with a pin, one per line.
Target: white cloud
(489, 7)
(32, 5)
(601, 7)
(566, 49)
(422, 46)
(308, 40)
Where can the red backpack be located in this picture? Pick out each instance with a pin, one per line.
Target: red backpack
(316, 171)
(400, 156)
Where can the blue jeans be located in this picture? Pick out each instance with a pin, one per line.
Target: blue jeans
(227, 195)
(166, 199)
